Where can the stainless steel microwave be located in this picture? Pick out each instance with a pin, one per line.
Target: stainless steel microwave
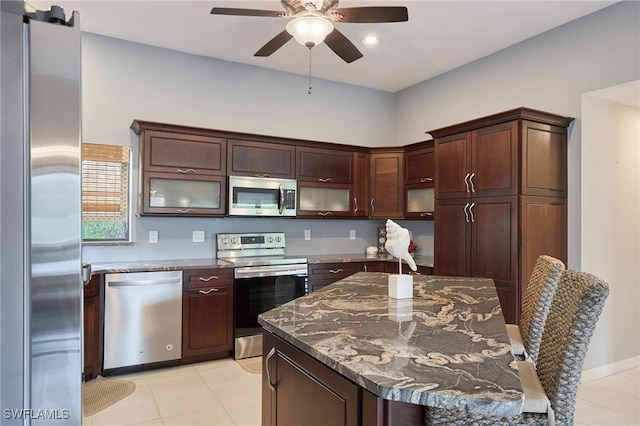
(258, 196)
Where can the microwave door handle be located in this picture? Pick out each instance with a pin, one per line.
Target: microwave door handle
(281, 199)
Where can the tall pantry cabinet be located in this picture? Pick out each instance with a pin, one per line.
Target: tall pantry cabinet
(501, 199)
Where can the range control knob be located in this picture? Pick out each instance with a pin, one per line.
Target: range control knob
(270, 239)
(278, 239)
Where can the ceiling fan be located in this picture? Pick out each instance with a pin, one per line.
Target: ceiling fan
(313, 20)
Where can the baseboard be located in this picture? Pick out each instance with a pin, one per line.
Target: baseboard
(609, 369)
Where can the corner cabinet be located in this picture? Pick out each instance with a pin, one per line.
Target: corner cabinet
(501, 188)
(207, 314)
(182, 172)
(386, 183)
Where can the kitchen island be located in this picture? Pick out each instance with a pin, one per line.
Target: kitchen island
(352, 353)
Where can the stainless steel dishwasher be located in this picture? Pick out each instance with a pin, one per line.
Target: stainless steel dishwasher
(142, 318)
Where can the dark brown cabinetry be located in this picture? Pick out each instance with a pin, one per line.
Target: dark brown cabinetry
(361, 184)
(386, 183)
(419, 181)
(325, 182)
(323, 274)
(182, 172)
(501, 199)
(248, 158)
(91, 324)
(207, 314)
(299, 390)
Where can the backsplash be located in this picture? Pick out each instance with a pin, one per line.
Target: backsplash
(327, 237)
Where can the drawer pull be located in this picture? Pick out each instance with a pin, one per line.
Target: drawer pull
(209, 290)
(186, 171)
(212, 277)
(336, 271)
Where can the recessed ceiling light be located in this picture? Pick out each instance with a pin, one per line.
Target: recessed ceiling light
(370, 40)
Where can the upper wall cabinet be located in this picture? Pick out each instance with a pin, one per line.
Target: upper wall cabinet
(324, 165)
(386, 183)
(325, 182)
(259, 159)
(419, 181)
(182, 173)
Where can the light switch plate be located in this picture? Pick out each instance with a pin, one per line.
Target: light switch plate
(307, 234)
(352, 234)
(198, 237)
(153, 237)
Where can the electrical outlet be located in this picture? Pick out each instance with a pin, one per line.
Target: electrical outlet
(352, 234)
(153, 237)
(198, 237)
(307, 234)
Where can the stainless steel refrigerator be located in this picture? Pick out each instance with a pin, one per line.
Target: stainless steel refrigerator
(40, 217)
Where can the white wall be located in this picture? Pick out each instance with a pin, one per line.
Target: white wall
(549, 72)
(611, 222)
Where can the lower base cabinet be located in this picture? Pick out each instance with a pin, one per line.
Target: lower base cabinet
(91, 324)
(299, 390)
(207, 314)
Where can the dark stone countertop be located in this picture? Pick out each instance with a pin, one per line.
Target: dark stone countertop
(157, 265)
(184, 264)
(446, 347)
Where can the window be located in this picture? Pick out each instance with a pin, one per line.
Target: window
(105, 193)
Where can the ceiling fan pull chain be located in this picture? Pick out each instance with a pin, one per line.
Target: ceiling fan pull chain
(309, 91)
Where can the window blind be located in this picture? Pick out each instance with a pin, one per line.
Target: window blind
(105, 183)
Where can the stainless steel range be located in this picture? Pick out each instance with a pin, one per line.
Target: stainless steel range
(263, 279)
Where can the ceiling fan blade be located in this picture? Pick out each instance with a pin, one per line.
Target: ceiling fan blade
(274, 44)
(373, 14)
(342, 46)
(245, 12)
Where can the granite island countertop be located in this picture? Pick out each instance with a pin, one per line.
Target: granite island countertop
(446, 347)
(355, 257)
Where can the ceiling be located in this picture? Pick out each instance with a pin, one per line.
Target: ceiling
(439, 36)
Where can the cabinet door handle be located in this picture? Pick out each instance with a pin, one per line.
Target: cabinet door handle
(324, 213)
(365, 268)
(466, 182)
(373, 208)
(466, 214)
(262, 175)
(212, 277)
(186, 171)
(266, 368)
(209, 290)
(426, 214)
(471, 212)
(325, 180)
(336, 271)
(185, 210)
(427, 179)
(355, 204)
(473, 188)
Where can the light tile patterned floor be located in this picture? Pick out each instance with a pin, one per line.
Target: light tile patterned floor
(222, 393)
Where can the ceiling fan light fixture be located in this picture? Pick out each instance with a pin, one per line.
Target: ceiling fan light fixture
(309, 30)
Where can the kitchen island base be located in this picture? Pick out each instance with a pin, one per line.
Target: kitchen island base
(299, 390)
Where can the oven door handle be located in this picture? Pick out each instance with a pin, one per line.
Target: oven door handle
(253, 271)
